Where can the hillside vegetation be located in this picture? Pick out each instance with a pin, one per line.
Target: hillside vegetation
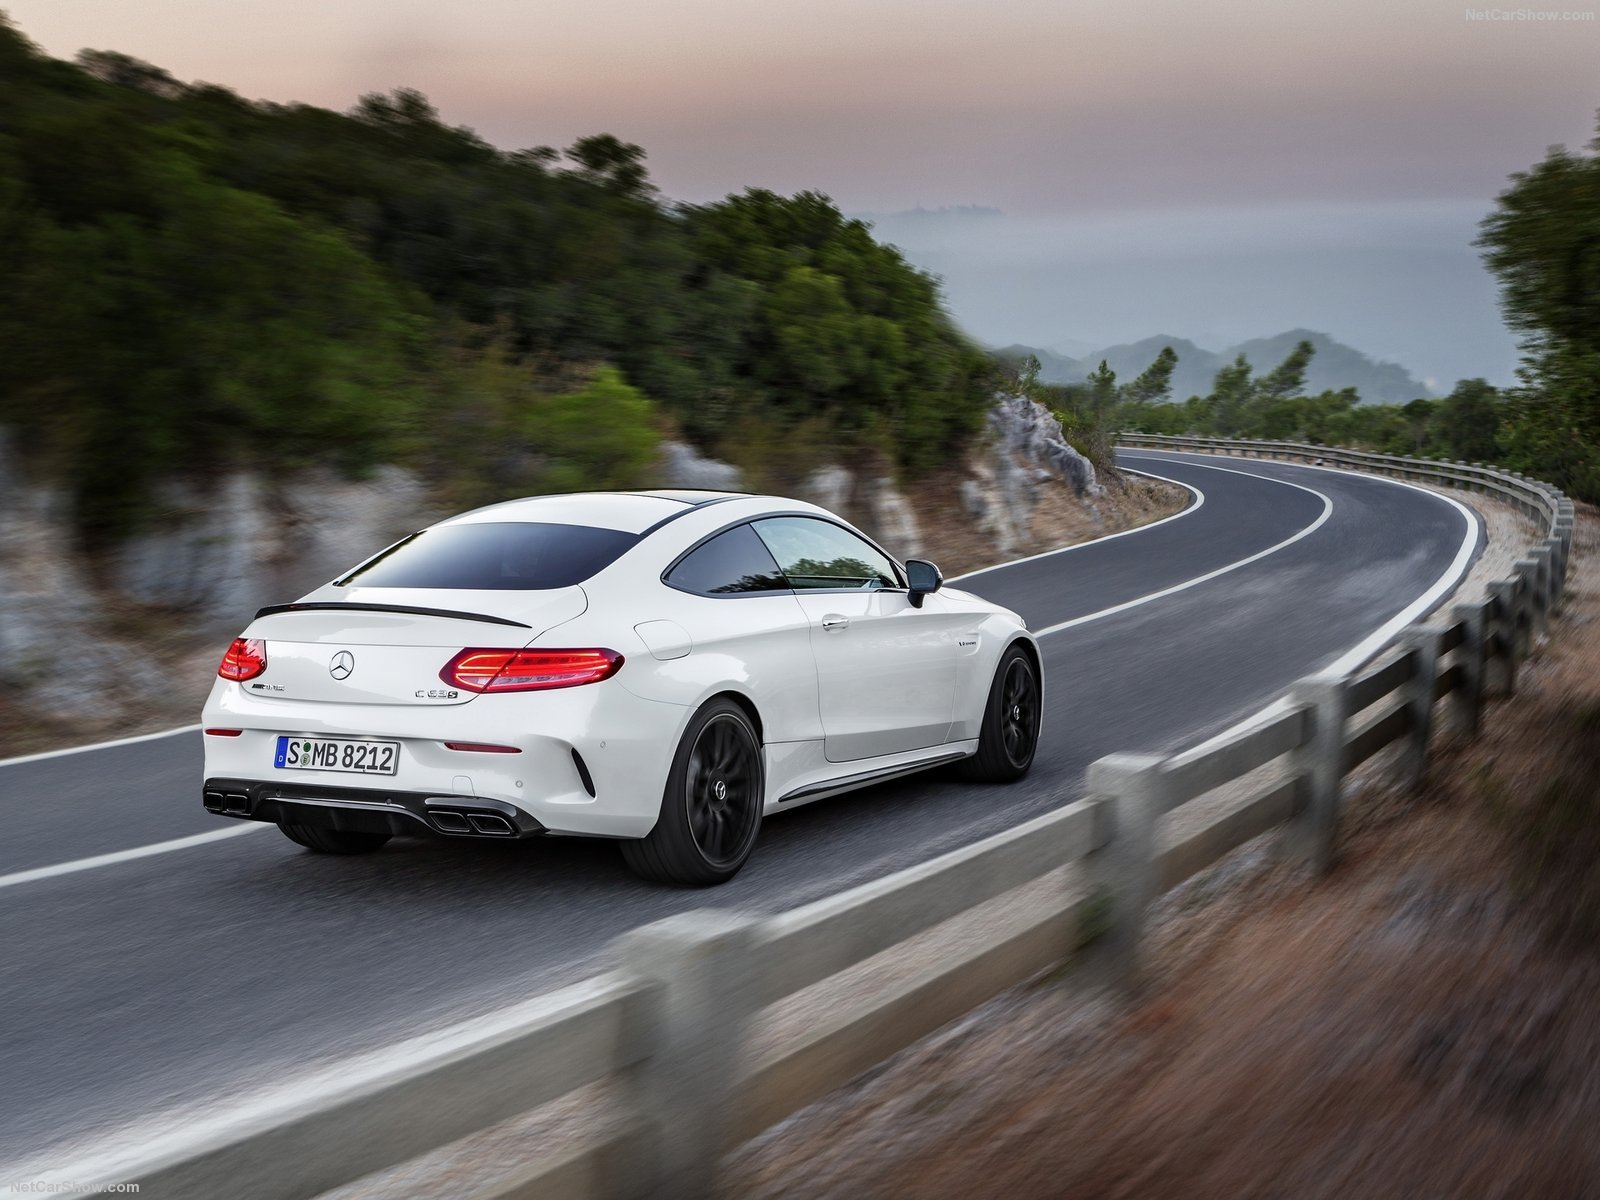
(192, 281)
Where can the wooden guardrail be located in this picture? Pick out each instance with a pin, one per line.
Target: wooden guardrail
(666, 1026)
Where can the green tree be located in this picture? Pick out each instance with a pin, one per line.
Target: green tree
(222, 331)
(1102, 383)
(1543, 242)
(1466, 423)
(1227, 407)
(612, 164)
(1154, 384)
(600, 436)
(1288, 378)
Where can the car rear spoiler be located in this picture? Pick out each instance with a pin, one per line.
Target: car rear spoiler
(351, 605)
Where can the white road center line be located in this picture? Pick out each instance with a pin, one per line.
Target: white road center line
(127, 741)
(119, 856)
(1327, 511)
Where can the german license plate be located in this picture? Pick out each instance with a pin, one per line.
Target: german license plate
(351, 756)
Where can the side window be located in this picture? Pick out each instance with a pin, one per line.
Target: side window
(817, 555)
(730, 563)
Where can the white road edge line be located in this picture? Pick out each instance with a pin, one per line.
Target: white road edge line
(119, 856)
(127, 741)
(1199, 500)
(1384, 634)
(1327, 511)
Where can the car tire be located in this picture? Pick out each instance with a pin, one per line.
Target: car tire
(711, 806)
(332, 841)
(1011, 718)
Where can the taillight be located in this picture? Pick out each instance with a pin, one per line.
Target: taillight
(245, 659)
(528, 670)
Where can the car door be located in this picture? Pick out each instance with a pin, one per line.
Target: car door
(744, 623)
(886, 671)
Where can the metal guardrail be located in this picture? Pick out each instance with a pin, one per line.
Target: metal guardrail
(1536, 500)
(666, 1026)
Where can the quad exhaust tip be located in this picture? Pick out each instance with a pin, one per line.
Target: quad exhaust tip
(236, 803)
(451, 822)
(492, 824)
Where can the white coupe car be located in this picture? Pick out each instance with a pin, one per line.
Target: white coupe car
(664, 668)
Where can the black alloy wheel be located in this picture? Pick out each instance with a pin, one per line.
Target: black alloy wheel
(711, 806)
(722, 806)
(1010, 731)
(1019, 708)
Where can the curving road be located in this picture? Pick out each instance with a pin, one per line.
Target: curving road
(134, 990)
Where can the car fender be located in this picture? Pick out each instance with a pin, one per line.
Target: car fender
(997, 633)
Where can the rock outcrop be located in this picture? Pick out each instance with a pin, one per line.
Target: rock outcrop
(1029, 430)
(682, 466)
(215, 555)
(1027, 449)
(219, 550)
(46, 604)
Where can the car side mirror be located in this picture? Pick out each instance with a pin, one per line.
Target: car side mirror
(923, 579)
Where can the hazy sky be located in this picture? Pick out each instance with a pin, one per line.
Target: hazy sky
(1358, 127)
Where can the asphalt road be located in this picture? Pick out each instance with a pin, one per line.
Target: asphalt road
(144, 989)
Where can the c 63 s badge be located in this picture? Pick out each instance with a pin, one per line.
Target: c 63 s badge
(436, 694)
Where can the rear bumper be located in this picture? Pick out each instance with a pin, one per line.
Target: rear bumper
(624, 743)
(368, 810)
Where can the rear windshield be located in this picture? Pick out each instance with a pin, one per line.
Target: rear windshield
(506, 556)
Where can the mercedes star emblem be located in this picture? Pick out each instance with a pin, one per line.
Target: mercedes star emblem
(343, 663)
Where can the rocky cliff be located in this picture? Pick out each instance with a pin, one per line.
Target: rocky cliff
(211, 558)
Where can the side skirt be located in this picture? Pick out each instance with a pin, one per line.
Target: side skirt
(859, 779)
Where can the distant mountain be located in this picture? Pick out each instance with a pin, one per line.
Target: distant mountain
(1191, 377)
(1334, 366)
(1053, 368)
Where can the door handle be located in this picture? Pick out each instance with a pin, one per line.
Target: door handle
(835, 621)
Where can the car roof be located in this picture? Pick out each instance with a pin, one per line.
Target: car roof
(627, 512)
